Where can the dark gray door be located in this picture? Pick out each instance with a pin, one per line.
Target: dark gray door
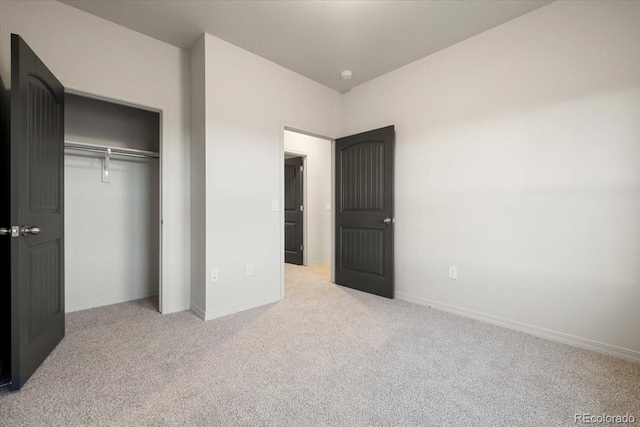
(5, 243)
(37, 183)
(364, 211)
(293, 248)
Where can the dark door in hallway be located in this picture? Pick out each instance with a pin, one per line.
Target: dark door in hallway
(293, 246)
(364, 211)
(36, 229)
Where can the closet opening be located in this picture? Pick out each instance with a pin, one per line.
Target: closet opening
(112, 203)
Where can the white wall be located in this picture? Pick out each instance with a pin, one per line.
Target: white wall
(92, 55)
(317, 186)
(248, 102)
(517, 161)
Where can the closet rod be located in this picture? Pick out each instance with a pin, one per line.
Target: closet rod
(119, 151)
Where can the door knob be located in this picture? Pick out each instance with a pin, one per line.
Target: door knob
(29, 230)
(389, 220)
(4, 231)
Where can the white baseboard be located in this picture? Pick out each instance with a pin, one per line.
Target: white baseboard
(319, 262)
(575, 341)
(235, 308)
(198, 311)
(85, 305)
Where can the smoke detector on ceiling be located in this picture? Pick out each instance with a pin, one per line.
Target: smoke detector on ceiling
(346, 74)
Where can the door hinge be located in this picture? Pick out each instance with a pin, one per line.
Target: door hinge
(301, 208)
(302, 247)
(301, 168)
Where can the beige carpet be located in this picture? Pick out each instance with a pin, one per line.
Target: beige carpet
(325, 356)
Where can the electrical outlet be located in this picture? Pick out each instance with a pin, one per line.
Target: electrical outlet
(327, 207)
(249, 269)
(453, 272)
(214, 275)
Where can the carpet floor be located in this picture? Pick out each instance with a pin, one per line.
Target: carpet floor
(325, 356)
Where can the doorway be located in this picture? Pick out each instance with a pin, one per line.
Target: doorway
(361, 220)
(312, 156)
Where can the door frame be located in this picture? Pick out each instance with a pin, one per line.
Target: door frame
(297, 153)
(330, 139)
(162, 304)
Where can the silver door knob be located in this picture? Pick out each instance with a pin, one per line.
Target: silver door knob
(4, 231)
(388, 220)
(29, 230)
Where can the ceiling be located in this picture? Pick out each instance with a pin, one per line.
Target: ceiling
(317, 39)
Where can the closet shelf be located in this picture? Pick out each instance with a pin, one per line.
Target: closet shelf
(104, 149)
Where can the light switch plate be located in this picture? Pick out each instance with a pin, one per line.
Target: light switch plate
(274, 205)
(453, 272)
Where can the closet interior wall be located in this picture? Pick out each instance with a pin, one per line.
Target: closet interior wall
(111, 229)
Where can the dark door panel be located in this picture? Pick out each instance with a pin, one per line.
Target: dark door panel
(5, 242)
(37, 209)
(293, 238)
(364, 211)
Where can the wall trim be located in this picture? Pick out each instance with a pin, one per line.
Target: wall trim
(326, 261)
(70, 308)
(561, 337)
(236, 308)
(198, 311)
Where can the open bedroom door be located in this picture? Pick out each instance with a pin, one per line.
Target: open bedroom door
(36, 229)
(364, 211)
